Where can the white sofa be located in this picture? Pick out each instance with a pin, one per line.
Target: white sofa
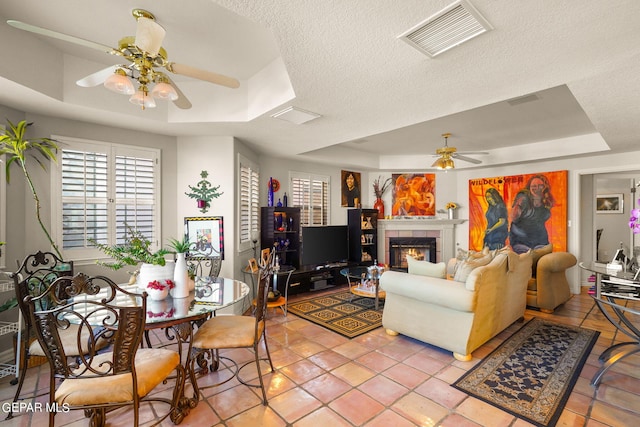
(458, 316)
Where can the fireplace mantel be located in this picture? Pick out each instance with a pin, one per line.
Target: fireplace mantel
(444, 229)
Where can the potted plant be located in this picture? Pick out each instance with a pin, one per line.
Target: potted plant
(180, 277)
(137, 250)
(203, 192)
(17, 149)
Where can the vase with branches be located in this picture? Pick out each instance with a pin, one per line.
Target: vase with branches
(18, 149)
(378, 190)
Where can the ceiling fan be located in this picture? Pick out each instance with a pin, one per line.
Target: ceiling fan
(146, 60)
(447, 154)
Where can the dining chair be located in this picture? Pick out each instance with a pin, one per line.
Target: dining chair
(99, 380)
(33, 276)
(233, 332)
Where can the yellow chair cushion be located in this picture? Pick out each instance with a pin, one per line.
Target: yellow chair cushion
(152, 367)
(227, 332)
(68, 337)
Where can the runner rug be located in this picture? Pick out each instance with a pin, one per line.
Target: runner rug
(532, 373)
(342, 312)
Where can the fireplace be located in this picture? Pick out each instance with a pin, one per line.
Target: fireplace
(421, 248)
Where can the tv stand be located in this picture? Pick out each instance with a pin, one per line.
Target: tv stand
(317, 277)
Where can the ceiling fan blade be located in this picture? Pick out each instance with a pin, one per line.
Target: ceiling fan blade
(98, 77)
(182, 102)
(60, 36)
(466, 159)
(208, 76)
(149, 36)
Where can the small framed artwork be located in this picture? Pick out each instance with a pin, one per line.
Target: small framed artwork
(610, 203)
(253, 265)
(265, 254)
(350, 189)
(206, 236)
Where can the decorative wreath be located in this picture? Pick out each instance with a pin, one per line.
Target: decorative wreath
(275, 183)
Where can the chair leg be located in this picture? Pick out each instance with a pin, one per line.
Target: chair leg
(257, 356)
(266, 348)
(20, 380)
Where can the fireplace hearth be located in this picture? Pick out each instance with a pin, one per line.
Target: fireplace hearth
(420, 248)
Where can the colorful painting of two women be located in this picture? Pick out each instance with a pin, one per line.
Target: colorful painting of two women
(521, 211)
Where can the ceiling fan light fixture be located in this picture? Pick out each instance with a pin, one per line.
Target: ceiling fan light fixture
(120, 83)
(448, 164)
(163, 90)
(142, 98)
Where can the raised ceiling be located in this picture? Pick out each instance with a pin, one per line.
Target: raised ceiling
(551, 79)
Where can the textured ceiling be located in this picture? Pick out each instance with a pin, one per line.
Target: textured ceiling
(383, 104)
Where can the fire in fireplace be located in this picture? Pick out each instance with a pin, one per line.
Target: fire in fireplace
(421, 248)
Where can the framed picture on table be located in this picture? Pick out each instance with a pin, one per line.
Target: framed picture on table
(610, 203)
(206, 236)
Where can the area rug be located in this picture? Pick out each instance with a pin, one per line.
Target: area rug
(342, 312)
(532, 373)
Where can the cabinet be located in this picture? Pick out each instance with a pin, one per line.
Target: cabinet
(363, 235)
(7, 292)
(280, 229)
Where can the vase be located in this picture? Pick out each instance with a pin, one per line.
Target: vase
(180, 277)
(270, 193)
(450, 213)
(379, 206)
(151, 272)
(157, 294)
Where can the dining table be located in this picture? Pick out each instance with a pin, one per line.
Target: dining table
(179, 318)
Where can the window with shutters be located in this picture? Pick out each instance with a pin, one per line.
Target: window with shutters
(103, 187)
(249, 200)
(311, 194)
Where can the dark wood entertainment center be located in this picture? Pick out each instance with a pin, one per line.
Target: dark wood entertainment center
(279, 224)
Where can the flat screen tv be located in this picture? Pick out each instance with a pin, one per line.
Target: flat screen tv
(323, 245)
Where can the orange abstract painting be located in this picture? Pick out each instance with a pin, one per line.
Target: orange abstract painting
(521, 211)
(414, 194)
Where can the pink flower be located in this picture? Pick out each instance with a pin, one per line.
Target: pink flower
(634, 222)
(160, 285)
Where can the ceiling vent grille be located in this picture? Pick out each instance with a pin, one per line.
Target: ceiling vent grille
(448, 28)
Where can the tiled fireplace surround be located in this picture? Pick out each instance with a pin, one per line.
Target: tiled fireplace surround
(441, 229)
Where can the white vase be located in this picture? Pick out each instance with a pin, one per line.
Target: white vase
(180, 278)
(157, 294)
(450, 212)
(151, 272)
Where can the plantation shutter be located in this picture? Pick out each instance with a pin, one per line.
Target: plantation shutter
(249, 211)
(311, 194)
(103, 187)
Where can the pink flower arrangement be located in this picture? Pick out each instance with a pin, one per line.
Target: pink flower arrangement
(167, 314)
(161, 286)
(634, 220)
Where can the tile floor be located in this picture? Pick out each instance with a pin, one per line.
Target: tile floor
(376, 380)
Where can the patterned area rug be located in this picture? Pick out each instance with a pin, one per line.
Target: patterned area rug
(342, 312)
(533, 372)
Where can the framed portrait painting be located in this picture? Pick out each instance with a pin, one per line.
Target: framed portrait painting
(610, 203)
(206, 236)
(350, 189)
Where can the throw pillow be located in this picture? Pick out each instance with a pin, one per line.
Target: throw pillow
(466, 267)
(537, 254)
(426, 268)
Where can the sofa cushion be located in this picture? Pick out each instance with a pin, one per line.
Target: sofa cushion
(466, 267)
(426, 268)
(537, 254)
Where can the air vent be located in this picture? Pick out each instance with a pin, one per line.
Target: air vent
(448, 28)
(295, 115)
(523, 100)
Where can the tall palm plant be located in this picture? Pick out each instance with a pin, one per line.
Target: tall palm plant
(18, 149)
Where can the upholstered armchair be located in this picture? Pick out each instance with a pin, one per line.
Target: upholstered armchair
(548, 287)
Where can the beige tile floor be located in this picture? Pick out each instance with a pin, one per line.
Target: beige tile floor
(324, 379)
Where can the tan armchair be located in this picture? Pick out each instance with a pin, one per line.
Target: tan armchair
(548, 286)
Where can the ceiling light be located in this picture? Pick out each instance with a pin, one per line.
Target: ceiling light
(118, 82)
(445, 161)
(163, 90)
(142, 98)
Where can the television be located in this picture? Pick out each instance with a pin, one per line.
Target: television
(323, 245)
